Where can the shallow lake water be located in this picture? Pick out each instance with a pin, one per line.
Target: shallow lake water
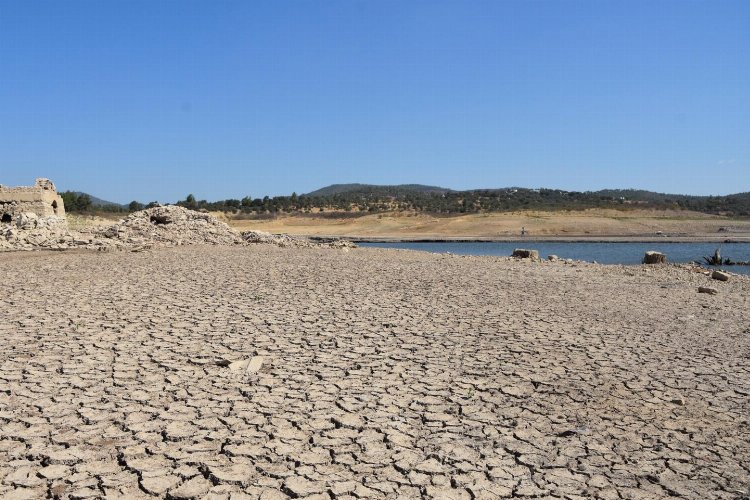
(601, 252)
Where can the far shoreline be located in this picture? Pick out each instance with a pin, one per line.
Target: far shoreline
(597, 226)
(538, 239)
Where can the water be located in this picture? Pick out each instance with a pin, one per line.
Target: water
(603, 253)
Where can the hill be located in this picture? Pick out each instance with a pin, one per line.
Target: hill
(374, 189)
(580, 225)
(370, 198)
(78, 201)
(373, 198)
(98, 202)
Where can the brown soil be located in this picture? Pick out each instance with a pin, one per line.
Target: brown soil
(569, 225)
(267, 372)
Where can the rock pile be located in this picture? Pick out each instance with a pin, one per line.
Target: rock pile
(159, 226)
(287, 240)
(170, 226)
(28, 231)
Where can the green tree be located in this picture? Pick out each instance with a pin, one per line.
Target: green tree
(76, 202)
(84, 202)
(70, 199)
(134, 206)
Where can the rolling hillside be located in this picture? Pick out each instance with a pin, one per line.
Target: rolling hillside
(374, 189)
(364, 197)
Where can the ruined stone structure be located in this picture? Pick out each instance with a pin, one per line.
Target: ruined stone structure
(40, 199)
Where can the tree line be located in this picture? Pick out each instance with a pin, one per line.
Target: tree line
(477, 201)
(78, 202)
(372, 199)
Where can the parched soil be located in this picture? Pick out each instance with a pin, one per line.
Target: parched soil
(367, 373)
(585, 224)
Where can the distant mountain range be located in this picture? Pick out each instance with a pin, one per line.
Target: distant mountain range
(434, 199)
(98, 202)
(334, 189)
(372, 197)
(639, 194)
(396, 190)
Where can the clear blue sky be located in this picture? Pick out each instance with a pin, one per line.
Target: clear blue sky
(152, 100)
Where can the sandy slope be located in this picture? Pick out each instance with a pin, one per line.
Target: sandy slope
(594, 223)
(385, 374)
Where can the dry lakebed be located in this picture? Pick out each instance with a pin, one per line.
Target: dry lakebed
(267, 372)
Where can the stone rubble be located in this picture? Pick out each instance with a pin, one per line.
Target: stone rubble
(28, 231)
(153, 227)
(170, 226)
(287, 240)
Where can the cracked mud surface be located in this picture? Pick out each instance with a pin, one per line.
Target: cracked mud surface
(373, 373)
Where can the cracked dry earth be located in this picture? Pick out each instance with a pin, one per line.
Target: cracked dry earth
(384, 374)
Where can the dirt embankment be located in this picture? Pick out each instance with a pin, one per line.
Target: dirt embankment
(637, 224)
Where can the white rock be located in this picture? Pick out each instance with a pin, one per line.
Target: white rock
(255, 364)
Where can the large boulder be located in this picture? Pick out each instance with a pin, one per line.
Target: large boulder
(522, 253)
(27, 220)
(653, 257)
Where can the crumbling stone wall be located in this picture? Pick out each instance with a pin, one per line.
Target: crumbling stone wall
(40, 199)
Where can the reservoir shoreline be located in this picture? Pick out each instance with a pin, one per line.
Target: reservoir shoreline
(533, 239)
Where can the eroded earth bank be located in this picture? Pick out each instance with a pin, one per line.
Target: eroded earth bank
(325, 373)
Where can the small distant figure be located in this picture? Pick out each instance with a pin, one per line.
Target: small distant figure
(523, 231)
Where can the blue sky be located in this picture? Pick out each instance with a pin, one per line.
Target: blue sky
(152, 100)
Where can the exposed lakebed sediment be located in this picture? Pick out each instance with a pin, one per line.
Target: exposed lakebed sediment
(375, 373)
